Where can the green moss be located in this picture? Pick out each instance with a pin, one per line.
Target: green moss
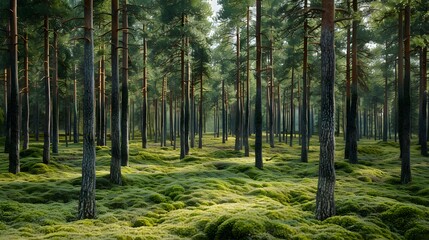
(402, 217)
(184, 231)
(343, 166)
(419, 232)
(280, 230)
(199, 236)
(211, 228)
(31, 152)
(157, 198)
(179, 205)
(174, 191)
(142, 221)
(370, 149)
(240, 228)
(226, 154)
(364, 179)
(190, 158)
(108, 218)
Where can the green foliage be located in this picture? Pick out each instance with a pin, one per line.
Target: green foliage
(402, 217)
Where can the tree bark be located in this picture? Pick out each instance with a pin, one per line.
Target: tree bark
(14, 164)
(183, 92)
(292, 108)
(125, 109)
(247, 110)
(258, 103)
(144, 91)
(385, 118)
(405, 102)
(75, 122)
(26, 102)
(55, 109)
(348, 96)
(47, 126)
(353, 158)
(325, 204)
(271, 97)
(238, 94)
(115, 165)
(304, 116)
(87, 193)
(423, 103)
(200, 117)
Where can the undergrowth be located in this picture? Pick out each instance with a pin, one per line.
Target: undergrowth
(215, 193)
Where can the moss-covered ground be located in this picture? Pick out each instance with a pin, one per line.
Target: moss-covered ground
(216, 193)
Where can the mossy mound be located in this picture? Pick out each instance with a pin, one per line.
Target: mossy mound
(236, 227)
(36, 168)
(31, 152)
(370, 150)
(401, 217)
(343, 166)
(225, 154)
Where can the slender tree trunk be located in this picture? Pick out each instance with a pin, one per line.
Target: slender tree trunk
(405, 102)
(172, 127)
(75, 122)
(163, 124)
(26, 110)
(55, 108)
(183, 91)
(247, 110)
(192, 117)
(271, 97)
(224, 115)
(187, 93)
(325, 204)
(102, 99)
(237, 94)
(348, 94)
(115, 165)
(400, 78)
(258, 103)
(385, 118)
(353, 158)
(125, 100)
(144, 90)
(5, 100)
(47, 127)
(395, 120)
(200, 120)
(292, 108)
(8, 82)
(304, 116)
(87, 207)
(423, 101)
(14, 164)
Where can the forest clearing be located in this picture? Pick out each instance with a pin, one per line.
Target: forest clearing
(216, 193)
(214, 119)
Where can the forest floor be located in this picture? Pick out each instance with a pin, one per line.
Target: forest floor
(216, 193)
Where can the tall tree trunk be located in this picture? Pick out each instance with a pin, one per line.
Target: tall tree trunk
(5, 100)
(237, 94)
(187, 94)
(405, 102)
(325, 204)
(400, 77)
(125, 108)
(26, 102)
(423, 103)
(115, 165)
(258, 103)
(292, 108)
(163, 123)
(353, 158)
(224, 115)
(192, 112)
(14, 165)
(87, 193)
(200, 110)
(55, 108)
(75, 122)
(144, 90)
(247, 110)
(385, 118)
(102, 98)
(47, 126)
(271, 98)
(348, 95)
(8, 82)
(183, 91)
(304, 115)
